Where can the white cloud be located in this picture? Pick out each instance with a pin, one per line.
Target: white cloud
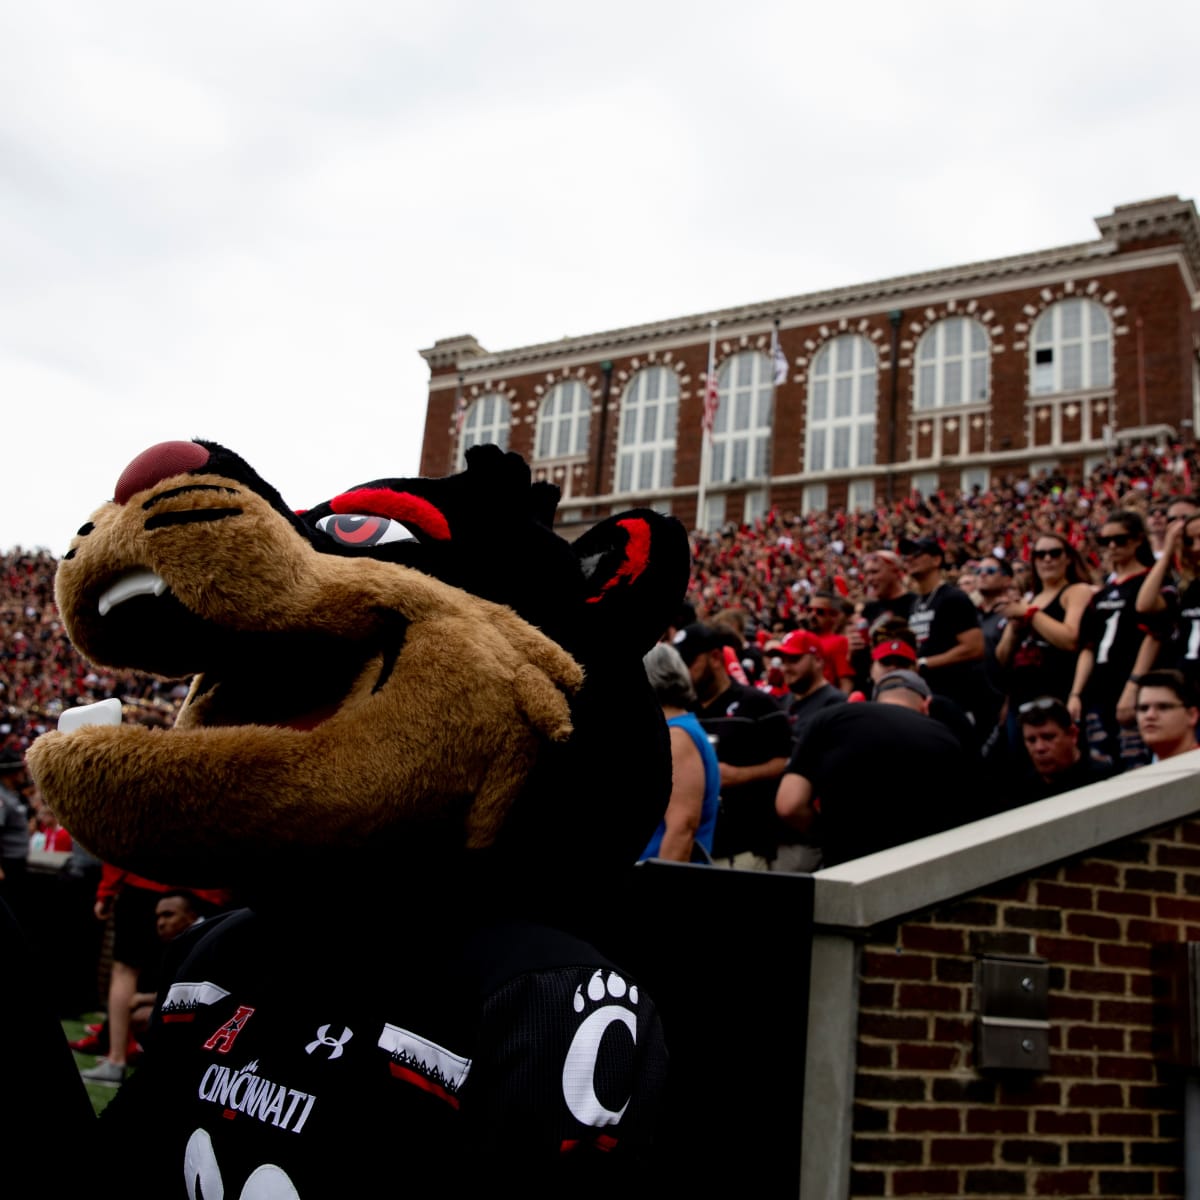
(242, 221)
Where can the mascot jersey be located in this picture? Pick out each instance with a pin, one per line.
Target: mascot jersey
(443, 1061)
(398, 746)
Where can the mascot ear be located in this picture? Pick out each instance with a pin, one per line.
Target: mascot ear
(635, 565)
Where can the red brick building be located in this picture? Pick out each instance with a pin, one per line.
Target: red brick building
(942, 379)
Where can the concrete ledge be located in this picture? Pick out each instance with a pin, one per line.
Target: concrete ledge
(919, 874)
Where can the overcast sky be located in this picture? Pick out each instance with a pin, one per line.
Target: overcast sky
(242, 221)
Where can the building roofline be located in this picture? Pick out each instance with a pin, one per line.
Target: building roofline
(1128, 223)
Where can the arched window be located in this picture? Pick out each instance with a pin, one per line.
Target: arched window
(646, 441)
(489, 419)
(741, 444)
(1071, 348)
(563, 421)
(841, 405)
(952, 364)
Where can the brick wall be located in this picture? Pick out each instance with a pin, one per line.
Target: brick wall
(1106, 1119)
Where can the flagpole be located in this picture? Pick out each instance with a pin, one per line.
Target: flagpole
(460, 416)
(778, 376)
(706, 424)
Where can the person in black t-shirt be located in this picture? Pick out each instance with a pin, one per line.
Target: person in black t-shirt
(1051, 740)
(1176, 603)
(753, 740)
(950, 645)
(878, 774)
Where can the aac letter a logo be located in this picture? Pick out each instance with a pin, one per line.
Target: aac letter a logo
(222, 1041)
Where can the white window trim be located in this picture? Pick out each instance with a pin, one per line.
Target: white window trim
(937, 331)
(502, 424)
(1053, 314)
(575, 453)
(666, 440)
(762, 382)
(862, 426)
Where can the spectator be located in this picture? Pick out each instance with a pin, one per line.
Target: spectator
(801, 661)
(14, 832)
(1038, 647)
(1167, 711)
(878, 774)
(1051, 740)
(752, 744)
(949, 637)
(824, 614)
(691, 815)
(994, 582)
(1177, 599)
(1115, 646)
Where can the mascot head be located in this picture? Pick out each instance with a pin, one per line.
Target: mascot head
(414, 666)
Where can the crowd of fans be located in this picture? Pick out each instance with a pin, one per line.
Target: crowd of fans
(820, 573)
(1051, 626)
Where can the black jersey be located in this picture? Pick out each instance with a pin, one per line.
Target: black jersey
(1113, 630)
(1182, 629)
(441, 1064)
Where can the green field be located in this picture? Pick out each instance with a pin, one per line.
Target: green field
(99, 1094)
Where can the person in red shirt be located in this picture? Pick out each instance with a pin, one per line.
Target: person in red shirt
(825, 613)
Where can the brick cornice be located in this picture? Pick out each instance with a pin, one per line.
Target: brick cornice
(1165, 219)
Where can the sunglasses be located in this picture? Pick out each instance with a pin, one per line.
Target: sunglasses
(1057, 552)
(1041, 704)
(1115, 539)
(988, 571)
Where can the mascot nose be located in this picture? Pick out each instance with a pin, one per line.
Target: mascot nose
(159, 462)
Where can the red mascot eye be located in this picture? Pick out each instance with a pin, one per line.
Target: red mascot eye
(353, 530)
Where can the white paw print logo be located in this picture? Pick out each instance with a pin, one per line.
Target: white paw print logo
(617, 1001)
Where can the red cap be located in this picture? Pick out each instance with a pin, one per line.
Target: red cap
(893, 649)
(798, 642)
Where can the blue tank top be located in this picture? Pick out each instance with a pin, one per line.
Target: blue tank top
(712, 786)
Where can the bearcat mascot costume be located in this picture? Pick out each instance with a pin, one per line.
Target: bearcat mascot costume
(420, 743)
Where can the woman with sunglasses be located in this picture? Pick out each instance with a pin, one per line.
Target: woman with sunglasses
(1176, 601)
(1115, 647)
(1038, 646)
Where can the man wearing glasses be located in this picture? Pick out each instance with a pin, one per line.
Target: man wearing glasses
(994, 580)
(1167, 711)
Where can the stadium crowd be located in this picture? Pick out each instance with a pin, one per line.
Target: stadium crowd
(1004, 645)
(1030, 556)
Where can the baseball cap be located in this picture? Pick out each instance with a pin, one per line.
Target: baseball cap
(696, 639)
(896, 648)
(909, 680)
(923, 545)
(798, 642)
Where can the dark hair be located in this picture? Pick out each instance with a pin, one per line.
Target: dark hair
(1174, 681)
(1043, 711)
(1077, 571)
(1135, 527)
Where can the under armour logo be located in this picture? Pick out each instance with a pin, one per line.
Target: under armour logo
(333, 1044)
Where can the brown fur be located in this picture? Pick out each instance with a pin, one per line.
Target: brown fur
(456, 727)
